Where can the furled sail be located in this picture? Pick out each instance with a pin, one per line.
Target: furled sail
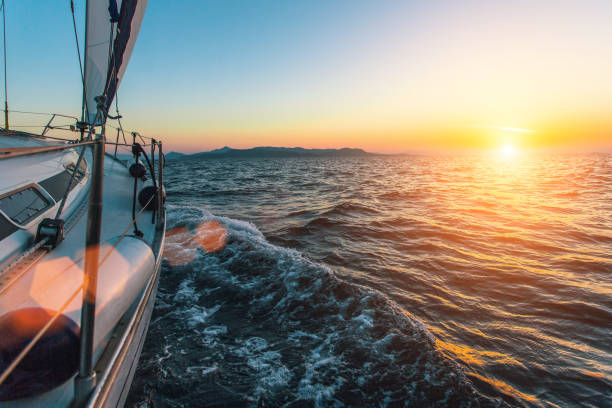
(112, 29)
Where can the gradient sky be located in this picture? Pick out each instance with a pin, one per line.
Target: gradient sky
(381, 75)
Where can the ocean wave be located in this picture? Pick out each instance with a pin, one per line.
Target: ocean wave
(291, 331)
(349, 208)
(507, 263)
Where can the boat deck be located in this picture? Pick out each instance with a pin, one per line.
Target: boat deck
(62, 267)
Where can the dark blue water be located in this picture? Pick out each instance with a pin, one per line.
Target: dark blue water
(384, 281)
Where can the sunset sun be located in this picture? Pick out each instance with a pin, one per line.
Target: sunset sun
(508, 150)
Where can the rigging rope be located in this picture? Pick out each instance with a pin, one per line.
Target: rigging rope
(76, 37)
(77, 168)
(119, 118)
(36, 338)
(43, 113)
(6, 123)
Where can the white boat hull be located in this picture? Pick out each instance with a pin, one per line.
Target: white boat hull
(127, 283)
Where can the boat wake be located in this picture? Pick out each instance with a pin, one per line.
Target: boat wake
(250, 323)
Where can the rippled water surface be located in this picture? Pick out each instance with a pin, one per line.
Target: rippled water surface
(384, 281)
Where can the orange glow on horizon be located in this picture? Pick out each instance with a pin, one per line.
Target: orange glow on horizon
(579, 135)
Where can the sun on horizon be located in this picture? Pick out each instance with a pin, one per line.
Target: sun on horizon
(508, 150)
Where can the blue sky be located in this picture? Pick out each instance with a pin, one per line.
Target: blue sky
(330, 73)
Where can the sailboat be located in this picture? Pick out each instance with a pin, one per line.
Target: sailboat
(81, 238)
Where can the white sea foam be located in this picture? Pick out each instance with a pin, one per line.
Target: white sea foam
(202, 370)
(198, 315)
(265, 364)
(364, 319)
(214, 330)
(185, 292)
(334, 332)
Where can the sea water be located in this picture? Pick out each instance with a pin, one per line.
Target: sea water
(384, 281)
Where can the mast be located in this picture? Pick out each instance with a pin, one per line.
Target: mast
(6, 121)
(84, 113)
(85, 380)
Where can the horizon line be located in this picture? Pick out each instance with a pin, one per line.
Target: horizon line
(558, 150)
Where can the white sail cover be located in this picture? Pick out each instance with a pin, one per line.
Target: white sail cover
(112, 29)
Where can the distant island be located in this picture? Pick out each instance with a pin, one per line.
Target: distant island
(269, 152)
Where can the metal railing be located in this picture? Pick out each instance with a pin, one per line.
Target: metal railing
(80, 127)
(54, 115)
(8, 153)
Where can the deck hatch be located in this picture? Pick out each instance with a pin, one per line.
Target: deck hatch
(6, 227)
(23, 205)
(56, 185)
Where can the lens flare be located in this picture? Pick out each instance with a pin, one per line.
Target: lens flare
(182, 245)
